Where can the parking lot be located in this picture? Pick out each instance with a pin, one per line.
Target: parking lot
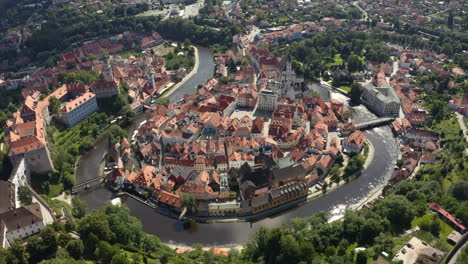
(410, 252)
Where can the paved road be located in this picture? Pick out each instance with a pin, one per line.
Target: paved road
(461, 122)
(455, 257)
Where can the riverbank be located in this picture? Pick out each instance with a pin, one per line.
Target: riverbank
(187, 77)
(284, 207)
(368, 161)
(185, 248)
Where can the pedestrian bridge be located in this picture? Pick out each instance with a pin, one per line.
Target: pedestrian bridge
(87, 185)
(374, 123)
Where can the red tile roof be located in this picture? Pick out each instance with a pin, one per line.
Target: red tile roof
(170, 199)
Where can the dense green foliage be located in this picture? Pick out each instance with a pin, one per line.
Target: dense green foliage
(356, 92)
(84, 77)
(107, 236)
(188, 201)
(9, 104)
(355, 164)
(65, 154)
(64, 28)
(311, 56)
(79, 207)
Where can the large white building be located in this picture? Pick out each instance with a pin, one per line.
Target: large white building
(267, 100)
(20, 223)
(16, 221)
(78, 109)
(382, 100)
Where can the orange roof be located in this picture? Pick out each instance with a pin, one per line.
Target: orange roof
(70, 106)
(218, 251)
(170, 199)
(24, 145)
(357, 138)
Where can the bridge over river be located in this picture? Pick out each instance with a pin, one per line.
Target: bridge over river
(374, 123)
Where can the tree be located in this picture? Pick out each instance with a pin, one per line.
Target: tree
(63, 239)
(339, 159)
(105, 252)
(35, 249)
(78, 207)
(188, 201)
(49, 240)
(450, 20)
(354, 63)
(224, 80)
(354, 165)
(18, 254)
(75, 248)
(97, 224)
(460, 190)
(435, 226)
(24, 195)
(120, 258)
(462, 214)
(127, 229)
(397, 209)
(361, 257)
(356, 92)
(400, 163)
(54, 105)
(68, 180)
(162, 101)
(384, 242)
(115, 134)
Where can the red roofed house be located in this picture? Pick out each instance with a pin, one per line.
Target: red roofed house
(151, 41)
(354, 142)
(170, 200)
(448, 217)
(460, 105)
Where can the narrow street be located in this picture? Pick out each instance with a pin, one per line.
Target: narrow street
(462, 124)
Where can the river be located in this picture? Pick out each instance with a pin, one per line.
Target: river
(347, 196)
(204, 73)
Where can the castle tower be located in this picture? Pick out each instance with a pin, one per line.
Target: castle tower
(151, 79)
(107, 72)
(289, 67)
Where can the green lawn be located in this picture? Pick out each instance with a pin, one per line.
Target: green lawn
(337, 60)
(346, 88)
(352, 247)
(55, 189)
(445, 228)
(57, 205)
(128, 53)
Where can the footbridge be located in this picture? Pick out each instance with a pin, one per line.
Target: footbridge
(88, 185)
(374, 123)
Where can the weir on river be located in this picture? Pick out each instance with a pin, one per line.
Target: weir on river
(169, 230)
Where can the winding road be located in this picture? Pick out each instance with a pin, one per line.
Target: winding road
(171, 231)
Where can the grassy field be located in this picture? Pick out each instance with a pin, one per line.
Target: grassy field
(445, 228)
(352, 247)
(129, 53)
(337, 60)
(346, 88)
(162, 50)
(57, 205)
